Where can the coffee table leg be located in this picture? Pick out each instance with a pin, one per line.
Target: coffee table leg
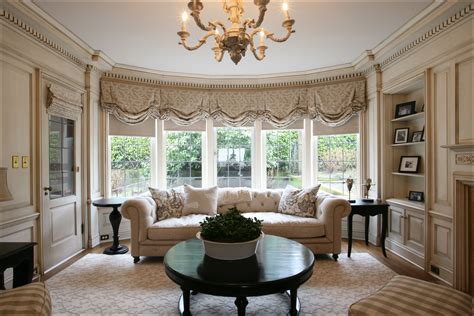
(241, 303)
(183, 305)
(293, 302)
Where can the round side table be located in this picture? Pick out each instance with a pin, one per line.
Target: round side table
(115, 218)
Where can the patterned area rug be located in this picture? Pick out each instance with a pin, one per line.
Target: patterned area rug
(102, 284)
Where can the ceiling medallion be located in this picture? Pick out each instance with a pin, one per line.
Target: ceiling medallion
(235, 39)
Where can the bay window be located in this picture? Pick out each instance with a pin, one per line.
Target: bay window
(234, 157)
(337, 157)
(283, 153)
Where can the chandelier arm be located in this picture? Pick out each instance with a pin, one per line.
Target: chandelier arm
(261, 54)
(201, 42)
(197, 19)
(262, 9)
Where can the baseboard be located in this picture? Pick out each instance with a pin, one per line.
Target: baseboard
(95, 241)
(405, 253)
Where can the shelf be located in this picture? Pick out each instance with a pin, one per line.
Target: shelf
(417, 175)
(408, 144)
(459, 147)
(411, 117)
(407, 203)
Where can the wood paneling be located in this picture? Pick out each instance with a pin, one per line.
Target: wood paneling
(442, 242)
(440, 185)
(415, 231)
(464, 107)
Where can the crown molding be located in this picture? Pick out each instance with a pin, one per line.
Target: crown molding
(142, 80)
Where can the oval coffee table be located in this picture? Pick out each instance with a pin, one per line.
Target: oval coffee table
(280, 265)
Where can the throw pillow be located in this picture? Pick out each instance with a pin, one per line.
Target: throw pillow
(200, 201)
(233, 195)
(169, 203)
(299, 202)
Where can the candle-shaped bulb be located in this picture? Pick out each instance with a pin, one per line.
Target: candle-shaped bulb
(184, 18)
(216, 32)
(262, 37)
(284, 6)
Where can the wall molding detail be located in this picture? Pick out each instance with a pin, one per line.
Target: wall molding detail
(110, 76)
(465, 159)
(64, 102)
(435, 31)
(41, 38)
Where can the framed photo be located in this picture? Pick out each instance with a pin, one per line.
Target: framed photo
(417, 137)
(401, 135)
(404, 109)
(409, 164)
(416, 196)
(423, 135)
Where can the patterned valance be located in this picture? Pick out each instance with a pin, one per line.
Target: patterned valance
(64, 102)
(332, 104)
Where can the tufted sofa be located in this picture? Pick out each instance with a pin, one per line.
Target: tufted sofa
(321, 234)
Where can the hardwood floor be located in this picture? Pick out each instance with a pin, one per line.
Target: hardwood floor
(394, 262)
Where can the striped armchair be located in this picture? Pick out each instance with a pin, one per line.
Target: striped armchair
(30, 299)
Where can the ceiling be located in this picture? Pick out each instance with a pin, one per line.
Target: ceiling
(143, 34)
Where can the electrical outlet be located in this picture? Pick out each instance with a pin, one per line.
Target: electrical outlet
(104, 237)
(435, 269)
(15, 162)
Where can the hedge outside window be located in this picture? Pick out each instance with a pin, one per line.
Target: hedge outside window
(283, 150)
(234, 157)
(130, 165)
(183, 159)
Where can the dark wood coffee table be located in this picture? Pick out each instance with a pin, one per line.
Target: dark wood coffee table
(280, 265)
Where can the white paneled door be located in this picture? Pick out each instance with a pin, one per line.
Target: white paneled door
(61, 188)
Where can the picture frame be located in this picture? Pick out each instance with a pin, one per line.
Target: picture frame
(404, 109)
(423, 135)
(401, 135)
(417, 137)
(409, 164)
(416, 196)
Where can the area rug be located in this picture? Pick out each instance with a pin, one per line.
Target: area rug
(102, 284)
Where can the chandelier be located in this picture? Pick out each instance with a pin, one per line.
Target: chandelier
(234, 39)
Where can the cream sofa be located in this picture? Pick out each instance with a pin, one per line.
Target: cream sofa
(321, 234)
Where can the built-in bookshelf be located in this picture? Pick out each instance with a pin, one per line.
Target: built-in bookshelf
(407, 224)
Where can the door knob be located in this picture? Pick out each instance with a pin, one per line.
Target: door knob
(48, 188)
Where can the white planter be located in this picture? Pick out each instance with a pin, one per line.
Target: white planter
(230, 251)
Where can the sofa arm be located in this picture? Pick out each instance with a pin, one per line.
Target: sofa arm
(141, 213)
(332, 211)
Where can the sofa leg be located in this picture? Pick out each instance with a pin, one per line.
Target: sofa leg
(335, 256)
(136, 259)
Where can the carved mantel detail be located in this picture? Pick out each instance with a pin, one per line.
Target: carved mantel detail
(465, 159)
(64, 102)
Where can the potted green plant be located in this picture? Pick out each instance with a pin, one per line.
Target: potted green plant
(230, 236)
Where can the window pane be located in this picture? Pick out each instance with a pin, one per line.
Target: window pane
(130, 162)
(234, 157)
(336, 161)
(183, 158)
(283, 153)
(61, 157)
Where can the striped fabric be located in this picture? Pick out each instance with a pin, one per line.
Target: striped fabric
(408, 296)
(30, 299)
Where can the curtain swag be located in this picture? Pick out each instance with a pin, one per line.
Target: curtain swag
(331, 104)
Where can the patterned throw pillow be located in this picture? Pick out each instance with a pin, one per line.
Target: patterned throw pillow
(299, 202)
(169, 203)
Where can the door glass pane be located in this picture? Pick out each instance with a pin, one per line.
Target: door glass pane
(61, 157)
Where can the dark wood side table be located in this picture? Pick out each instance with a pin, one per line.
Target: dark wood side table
(115, 218)
(368, 209)
(19, 256)
(280, 265)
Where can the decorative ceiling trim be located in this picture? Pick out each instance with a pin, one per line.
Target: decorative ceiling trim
(110, 76)
(35, 34)
(435, 31)
(64, 102)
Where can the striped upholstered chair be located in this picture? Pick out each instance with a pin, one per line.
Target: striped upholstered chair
(30, 299)
(403, 295)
